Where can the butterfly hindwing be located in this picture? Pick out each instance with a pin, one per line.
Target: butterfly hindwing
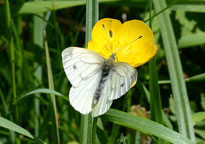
(81, 96)
(123, 77)
(120, 79)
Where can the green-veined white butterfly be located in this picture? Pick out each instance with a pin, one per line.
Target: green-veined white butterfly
(96, 81)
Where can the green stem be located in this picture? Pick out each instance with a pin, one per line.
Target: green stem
(87, 120)
(11, 46)
(12, 59)
(176, 73)
(38, 40)
(51, 86)
(155, 98)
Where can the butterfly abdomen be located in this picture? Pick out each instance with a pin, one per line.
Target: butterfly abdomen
(106, 69)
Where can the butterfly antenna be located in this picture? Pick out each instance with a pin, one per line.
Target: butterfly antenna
(110, 33)
(129, 43)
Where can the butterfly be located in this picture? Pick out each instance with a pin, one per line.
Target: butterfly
(97, 79)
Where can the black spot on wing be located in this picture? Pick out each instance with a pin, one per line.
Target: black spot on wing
(74, 67)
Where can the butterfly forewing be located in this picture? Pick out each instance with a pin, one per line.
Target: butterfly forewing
(80, 64)
(83, 69)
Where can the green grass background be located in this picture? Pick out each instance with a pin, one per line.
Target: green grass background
(167, 105)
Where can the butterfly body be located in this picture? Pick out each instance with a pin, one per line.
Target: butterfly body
(96, 81)
(106, 71)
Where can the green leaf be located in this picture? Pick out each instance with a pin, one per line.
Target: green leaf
(201, 133)
(88, 123)
(146, 126)
(196, 78)
(192, 40)
(203, 101)
(44, 6)
(175, 71)
(197, 117)
(44, 90)
(14, 127)
(55, 135)
(189, 7)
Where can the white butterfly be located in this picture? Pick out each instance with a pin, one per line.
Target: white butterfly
(96, 81)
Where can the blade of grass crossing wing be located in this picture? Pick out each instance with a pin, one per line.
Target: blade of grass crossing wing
(175, 71)
(51, 86)
(86, 135)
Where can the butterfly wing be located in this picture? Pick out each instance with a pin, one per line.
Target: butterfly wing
(121, 77)
(83, 69)
(124, 76)
(81, 97)
(80, 64)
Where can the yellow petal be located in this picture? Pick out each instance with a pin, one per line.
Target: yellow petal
(104, 36)
(136, 51)
(132, 41)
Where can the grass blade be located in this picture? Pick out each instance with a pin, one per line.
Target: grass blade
(12, 58)
(51, 86)
(155, 98)
(11, 46)
(14, 127)
(44, 6)
(38, 40)
(175, 71)
(192, 40)
(146, 126)
(86, 135)
(42, 90)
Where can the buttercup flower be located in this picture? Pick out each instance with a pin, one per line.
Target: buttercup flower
(132, 41)
(97, 81)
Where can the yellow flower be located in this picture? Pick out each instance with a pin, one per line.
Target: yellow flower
(132, 41)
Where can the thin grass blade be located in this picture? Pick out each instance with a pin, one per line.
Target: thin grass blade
(51, 86)
(86, 135)
(175, 71)
(14, 127)
(146, 126)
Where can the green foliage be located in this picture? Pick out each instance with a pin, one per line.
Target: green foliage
(34, 106)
